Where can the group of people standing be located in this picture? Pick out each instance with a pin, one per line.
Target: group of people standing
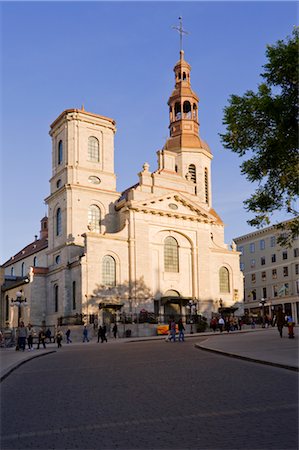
(226, 324)
(25, 336)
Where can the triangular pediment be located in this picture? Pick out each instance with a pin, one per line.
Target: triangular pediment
(176, 205)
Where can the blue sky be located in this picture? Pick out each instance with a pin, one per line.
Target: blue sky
(117, 59)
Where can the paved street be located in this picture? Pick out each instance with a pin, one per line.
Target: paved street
(148, 395)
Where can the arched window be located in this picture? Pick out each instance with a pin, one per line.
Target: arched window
(60, 152)
(12, 271)
(35, 261)
(23, 269)
(171, 255)
(187, 110)
(171, 293)
(192, 171)
(224, 279)
(177, 111)
(206, 186)
(194, 111)
(108, 271)
(93, 149)
(58, 222)
(94, 218)
(56, 297)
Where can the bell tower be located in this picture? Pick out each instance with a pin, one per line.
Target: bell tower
(183, 106)
(184, 151)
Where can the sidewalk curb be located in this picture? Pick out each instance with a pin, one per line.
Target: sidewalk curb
(13, 367)
(248, 358)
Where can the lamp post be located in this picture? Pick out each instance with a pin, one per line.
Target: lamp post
(192, 308)
(19, 302)
(262, 305)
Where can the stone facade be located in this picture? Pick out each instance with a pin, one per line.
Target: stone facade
(157, 246)
(271, 273)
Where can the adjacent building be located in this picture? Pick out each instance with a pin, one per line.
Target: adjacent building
(156, 247)
(271, 273)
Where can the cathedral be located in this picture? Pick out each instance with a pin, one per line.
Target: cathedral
(156, 248)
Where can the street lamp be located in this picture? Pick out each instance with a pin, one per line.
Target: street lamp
(262, 305)
(19, 302)
(192, 308)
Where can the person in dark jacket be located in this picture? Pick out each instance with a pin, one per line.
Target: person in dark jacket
(181, 330)
(114, 330)
(280, 320)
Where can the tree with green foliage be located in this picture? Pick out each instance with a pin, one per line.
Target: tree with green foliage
(264, 126)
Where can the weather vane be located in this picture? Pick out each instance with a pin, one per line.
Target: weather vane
(181, 31)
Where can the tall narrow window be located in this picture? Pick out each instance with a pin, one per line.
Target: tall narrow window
(35, 261)
(177, 111)
(23, 269)
(171, 255)
(94, 218)
(58, 222)
(74, 294)
(56, 298)
(224, 279)
(6, 308)
(108, 271)
(93, 149)
(12, 271)
(60, 152)
(262, 244)
(194, 111)
(187, 110)
(192, 171)
(206, 186)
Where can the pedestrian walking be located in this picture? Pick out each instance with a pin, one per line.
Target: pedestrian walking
(48, 335)
(280, 320)
(22, 336)
(240, 323)
(100, 332)
(30, 335)
(85, 334)
(114, 330)
(104, 331)
(59, 338)
(291, 323)
(221, 324)
(213, 324)
(41, 338)
(68, 336)
(181, 330)
(172, 330)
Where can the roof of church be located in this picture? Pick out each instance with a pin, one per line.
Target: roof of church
(81, 111)
(30, 249)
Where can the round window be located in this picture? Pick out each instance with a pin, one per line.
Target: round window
(94, 180)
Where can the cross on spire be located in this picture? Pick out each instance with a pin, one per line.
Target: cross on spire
(180, 30)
